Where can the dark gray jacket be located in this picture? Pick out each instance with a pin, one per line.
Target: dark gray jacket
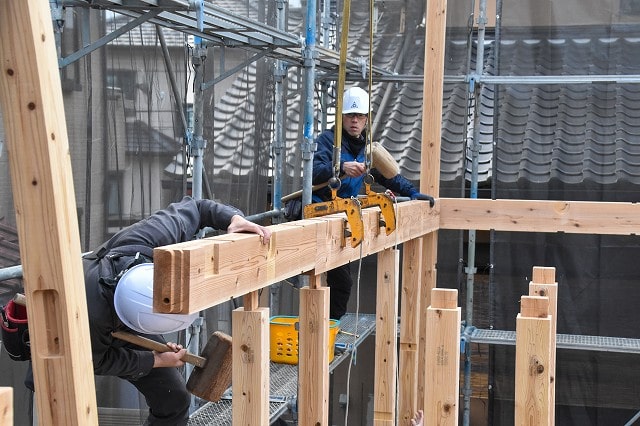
(177, 223)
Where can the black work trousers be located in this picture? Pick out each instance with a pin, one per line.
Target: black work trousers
(166, 394)
(340, 282)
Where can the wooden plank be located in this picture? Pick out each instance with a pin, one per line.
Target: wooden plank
(544, 284)
(250, 377)
(574, 217)
(428, 276)
(6, 406)
(409, 330)
(45, 206)
(386, 360)
(434, 48)
(195, 275)
(442, 373)
(532, 369)
(313, 369)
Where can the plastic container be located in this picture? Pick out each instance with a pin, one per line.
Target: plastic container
(284, 338)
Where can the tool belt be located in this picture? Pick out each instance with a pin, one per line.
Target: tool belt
(15, 331)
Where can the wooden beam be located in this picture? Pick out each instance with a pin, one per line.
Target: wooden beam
(532, 369)
(313, 356)
(195, 275)
(386, 360)
(250, 377)
(428, 276)
(45, 206)
(409, 330)
(6, 406)
(442, 379)
(574, 217)
(543, 283)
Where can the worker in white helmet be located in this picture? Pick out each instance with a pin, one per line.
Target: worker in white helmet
(355, 115)
(119, 289)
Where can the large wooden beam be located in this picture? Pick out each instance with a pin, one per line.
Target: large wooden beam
(6, 406)
(442, 370)
(533, 361)
(409, 330)
(195, 275)
(313, 354)
(386, 361)
(543, 283)
(250, 381)
(45, 207)
(575, 217)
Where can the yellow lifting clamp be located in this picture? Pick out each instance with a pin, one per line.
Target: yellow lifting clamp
(385, 202)
(350, 206)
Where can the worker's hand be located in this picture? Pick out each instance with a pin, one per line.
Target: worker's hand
(240, 224)
(417, 419)
(419, 196)
(169, 359)
(353, 168)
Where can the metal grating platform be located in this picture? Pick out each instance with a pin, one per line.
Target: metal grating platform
(283, 388)
(563, 341)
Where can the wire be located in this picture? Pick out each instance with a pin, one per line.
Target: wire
(355, 336)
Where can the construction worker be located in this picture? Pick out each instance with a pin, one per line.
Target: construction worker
(355, 115)
(119, 286)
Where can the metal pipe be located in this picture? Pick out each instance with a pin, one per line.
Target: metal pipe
(198, 144)
(308, 144)
(172, 81)
(279, 142)
(471, 249)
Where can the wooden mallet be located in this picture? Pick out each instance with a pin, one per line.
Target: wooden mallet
(212, 371)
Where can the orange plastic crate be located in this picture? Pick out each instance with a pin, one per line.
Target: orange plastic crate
(284, 338)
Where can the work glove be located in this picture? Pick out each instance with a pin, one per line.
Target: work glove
(419, 196)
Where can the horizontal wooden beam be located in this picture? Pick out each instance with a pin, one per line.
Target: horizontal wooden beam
(575, 217)
(195, 275)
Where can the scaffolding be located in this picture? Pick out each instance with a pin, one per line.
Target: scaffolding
(218, 27)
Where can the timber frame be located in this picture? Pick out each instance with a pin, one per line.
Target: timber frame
(199, 274)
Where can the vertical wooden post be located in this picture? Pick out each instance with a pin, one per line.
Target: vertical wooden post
(409, 330)
(427, 284)
(543, 283)
(45, 207)
(313, 354)
(434, 47)
(533, 361)
(384, 405)
(6, 406)
(250, 378)
(442, 379)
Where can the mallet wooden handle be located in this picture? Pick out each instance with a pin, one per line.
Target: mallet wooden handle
(196, 360)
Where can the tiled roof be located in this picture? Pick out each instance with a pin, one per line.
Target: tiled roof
(572, 133)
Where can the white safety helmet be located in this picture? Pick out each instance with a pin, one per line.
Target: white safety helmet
(133, 301)
(355, 100)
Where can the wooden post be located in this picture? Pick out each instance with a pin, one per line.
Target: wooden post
(46, 215)
(384, 405)
(6, 406)
(533, 361)
(250, 378)
(442, 373)
(434, 49)
(313, 354)
(409, 330)
(427, 284)
(543, 283)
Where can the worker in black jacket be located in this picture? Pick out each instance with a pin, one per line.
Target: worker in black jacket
(110, 269)
(355, 115)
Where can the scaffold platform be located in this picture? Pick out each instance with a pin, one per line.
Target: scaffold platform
(563, 341)
(283, 389)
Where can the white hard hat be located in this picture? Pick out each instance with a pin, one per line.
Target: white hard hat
(355, 100)
(133, 301)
